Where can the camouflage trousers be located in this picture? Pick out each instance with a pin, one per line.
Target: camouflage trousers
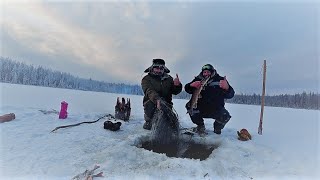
(149, 109)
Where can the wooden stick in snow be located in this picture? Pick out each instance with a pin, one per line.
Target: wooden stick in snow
(262, 97)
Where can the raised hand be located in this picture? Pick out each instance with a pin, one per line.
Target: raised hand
(224, 84)
(176, 81)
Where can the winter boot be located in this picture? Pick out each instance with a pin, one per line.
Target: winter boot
(217, 131)
(217, 127)
(201, 129)
(147, 125)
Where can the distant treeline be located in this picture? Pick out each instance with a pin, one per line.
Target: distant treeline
(20, 73)
(300, 101)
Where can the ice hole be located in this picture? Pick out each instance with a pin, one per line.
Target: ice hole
(179, 149)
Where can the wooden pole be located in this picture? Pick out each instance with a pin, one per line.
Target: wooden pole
(263, 95)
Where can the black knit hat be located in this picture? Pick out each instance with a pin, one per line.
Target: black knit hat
(208, 67)
(157, 62)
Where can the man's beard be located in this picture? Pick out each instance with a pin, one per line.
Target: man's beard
(158, 73)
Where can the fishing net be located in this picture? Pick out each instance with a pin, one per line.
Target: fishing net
(165, 125)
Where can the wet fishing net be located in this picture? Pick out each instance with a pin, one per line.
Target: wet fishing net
(165, 125)
(165, 136)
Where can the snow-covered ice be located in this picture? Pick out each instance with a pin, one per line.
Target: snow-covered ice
(288, 149)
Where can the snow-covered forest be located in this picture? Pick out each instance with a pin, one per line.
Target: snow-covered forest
(20, 73)
(301, 101)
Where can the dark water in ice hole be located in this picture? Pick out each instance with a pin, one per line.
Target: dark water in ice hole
(181, 149)
(165, 138)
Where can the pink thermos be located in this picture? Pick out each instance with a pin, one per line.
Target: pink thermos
(63, 112)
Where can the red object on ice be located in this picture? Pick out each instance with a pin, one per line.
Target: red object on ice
(63, 112)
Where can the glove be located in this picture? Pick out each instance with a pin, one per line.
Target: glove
(244, 135)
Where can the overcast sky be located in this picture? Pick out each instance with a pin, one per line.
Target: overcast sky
(116, 41)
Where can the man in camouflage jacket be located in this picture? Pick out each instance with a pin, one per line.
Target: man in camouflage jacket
(156, 85)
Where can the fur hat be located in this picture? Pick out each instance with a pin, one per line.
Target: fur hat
(157, 62)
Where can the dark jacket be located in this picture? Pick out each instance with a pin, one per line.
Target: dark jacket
(212, 96)
(156, 87)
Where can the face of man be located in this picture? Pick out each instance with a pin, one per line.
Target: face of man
(158, 70)
(206, 73)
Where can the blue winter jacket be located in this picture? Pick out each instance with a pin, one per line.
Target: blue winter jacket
(212, 96)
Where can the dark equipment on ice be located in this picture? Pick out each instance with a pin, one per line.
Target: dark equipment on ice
(112, 126)
(123, 109)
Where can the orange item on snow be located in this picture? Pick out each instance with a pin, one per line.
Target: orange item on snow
(7, 117)
(244, 135)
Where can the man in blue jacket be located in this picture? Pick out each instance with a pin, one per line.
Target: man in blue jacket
(211, 101)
